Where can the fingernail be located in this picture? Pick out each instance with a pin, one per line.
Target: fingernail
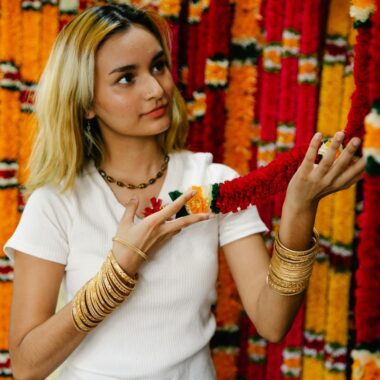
(339, 136)
(211, 216)
(318, 135)
(356, 141)
(193, 192)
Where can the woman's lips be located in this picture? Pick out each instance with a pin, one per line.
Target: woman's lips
(157, 112)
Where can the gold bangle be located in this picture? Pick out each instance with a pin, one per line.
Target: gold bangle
(78, 324)
(284, 291)
(120, 271)
(82, 315)
(108, 294)
(294, 254)
(98, 300)
(93, 312)
(118, 284)
(117, 296)
(131, 246)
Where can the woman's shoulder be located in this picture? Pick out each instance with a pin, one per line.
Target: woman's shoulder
(202, 162)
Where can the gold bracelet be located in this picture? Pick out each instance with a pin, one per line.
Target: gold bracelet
(90, 294)
(123, 289)
(131, 246)
(93, 312)
(82, 316)
(283, 291)
(115, 294)
(78, 324)
(120, 271)
(101, 302)
(289, 271)
(296, 254)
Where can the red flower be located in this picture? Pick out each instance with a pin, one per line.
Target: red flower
(156, 206)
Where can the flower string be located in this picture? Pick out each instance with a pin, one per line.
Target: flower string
(366, 354)
(10, 57)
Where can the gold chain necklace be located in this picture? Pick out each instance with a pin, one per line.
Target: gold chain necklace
(143, 185)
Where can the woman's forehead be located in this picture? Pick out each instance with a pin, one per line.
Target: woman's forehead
(128, 47)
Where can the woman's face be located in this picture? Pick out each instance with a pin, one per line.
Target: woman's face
(133, 85)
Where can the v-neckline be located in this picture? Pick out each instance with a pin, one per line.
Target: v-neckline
(163, 193)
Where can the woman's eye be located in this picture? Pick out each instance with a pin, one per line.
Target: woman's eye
(160, 66)
(126, 79)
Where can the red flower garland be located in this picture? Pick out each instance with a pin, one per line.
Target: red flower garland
(260, 184)
(360, 103)
(307, 83)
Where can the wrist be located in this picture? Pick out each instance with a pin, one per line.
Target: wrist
(298, 207)
(128, 260)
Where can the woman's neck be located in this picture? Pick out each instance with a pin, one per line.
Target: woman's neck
(133, 159)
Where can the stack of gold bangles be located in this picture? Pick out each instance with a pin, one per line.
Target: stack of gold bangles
(101, 295)
(289, 271)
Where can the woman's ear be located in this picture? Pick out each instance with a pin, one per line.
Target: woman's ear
(89, 114)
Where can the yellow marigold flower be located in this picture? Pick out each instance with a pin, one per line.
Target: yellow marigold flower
(197, 203)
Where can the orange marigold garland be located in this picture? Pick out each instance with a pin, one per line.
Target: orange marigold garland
(242, 84)
(50, 28)
(10, 51)
(67, 10)
(337, 326)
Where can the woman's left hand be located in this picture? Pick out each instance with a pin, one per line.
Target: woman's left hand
(313, 181)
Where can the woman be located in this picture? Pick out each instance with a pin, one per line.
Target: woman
(112, 128)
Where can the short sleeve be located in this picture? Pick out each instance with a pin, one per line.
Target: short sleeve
(42, 229)
(234, 226)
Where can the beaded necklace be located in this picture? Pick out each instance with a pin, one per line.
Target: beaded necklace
(142, 185)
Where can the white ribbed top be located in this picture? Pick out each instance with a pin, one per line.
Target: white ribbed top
(163, 329)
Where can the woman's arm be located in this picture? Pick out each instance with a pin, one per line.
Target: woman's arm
(271, 312)
(39, 340)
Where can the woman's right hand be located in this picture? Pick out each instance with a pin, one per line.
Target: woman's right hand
(152, 230)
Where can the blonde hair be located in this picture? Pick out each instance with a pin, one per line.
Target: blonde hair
(66, 91)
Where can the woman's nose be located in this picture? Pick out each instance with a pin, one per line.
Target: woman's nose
(153, 88)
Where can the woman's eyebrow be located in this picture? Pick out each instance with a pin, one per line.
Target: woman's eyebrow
(122, 69)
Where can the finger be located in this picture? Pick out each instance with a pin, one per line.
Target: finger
(185, 221)
(311, 153)
(352, 174)
(167, 212)
(329, 157)
(130, 210)
(344, 160)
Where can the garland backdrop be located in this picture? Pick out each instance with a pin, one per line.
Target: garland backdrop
(259, 77)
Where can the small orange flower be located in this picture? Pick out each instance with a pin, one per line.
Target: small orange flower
(197, 203)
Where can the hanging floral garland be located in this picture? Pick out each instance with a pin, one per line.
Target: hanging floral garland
(67, 10)
(171, 9)
(366, 355)
(195, 71)
(334, 61)
(290, 357)
(242, 85)
(273, 18)
(9, 126)
(342, 234)
(245, 37)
